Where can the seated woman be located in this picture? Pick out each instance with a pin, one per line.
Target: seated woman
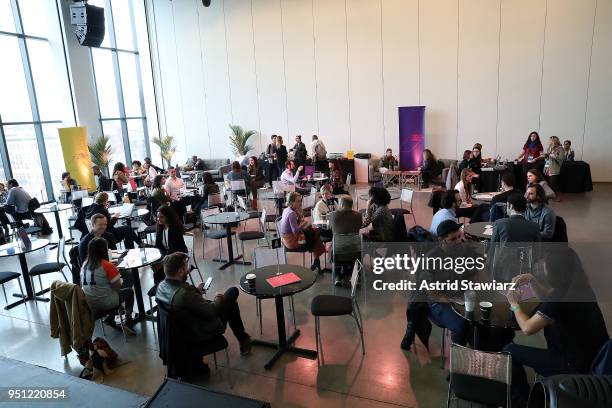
(210, 187)
(336, 178)
(430, 168)
(568, 315)
(465, 161)
(119, 176)
(256, 176)
(168, 237)
(170, 230)
(237, 174)
(294, 229)
(150, 173)
(534, 176)
(378, 215)
(467, 209)
(159, 196)
(104, 289)
(322, 208)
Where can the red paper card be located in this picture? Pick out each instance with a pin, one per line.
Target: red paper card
(284, 279)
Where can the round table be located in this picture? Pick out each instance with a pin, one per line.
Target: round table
(228, 219)
(493, 334)
(478, 230)
(264, 290)
(20, 250)
(55, 209)
(133, 260)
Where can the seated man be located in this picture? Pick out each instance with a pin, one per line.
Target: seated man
(450, 201)
(290, 179)
(508, 182)
(98, 230)
(19, 198)
(175, 188)
(515, 228)
(104, 289)
(539, 212)
(344, 221)
(388, 161)
(450, 237)
(205, 319)
(124, 232)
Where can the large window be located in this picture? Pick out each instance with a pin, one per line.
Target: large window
(34, 95)
(124, 81)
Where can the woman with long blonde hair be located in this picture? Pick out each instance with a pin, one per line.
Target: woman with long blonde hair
(555, 156)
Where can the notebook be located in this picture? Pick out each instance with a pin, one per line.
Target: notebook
(309, 171)
(283, 280)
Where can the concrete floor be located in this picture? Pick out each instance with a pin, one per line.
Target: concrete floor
(385, 377)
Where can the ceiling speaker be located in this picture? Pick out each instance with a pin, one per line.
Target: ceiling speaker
(206, 3)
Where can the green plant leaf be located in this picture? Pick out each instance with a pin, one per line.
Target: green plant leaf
(239, 140)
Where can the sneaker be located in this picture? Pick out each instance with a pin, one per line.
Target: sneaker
(338, 281)
(245, 346)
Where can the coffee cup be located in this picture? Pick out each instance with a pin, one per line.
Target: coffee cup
(485, 310)
(470, 300)
(250, 278)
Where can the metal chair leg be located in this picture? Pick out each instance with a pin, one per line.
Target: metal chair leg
(317, 338)
(229, 370)
(360, 332)
(20, 288)
(4, 290)
(119, 310)
(443, 351)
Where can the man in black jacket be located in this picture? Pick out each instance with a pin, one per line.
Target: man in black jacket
(102, 182)
(203, 319)
(299, 152)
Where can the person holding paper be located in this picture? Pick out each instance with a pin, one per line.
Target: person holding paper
(204, 319)
(290, 179)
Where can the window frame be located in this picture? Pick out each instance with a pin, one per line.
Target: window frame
(114, 50)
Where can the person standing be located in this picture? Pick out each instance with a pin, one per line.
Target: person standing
(555, 156)
(569, 152)
(532, 155)
(318, 153)
(281, 155)
(299, 151)
(256, 176)
(271, 160)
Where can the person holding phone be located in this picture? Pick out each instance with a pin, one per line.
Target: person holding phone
(203, 318)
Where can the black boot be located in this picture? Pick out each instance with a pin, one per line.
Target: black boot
(316, 265)
(408, 337)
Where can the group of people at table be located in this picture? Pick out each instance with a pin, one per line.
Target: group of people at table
(527, 218)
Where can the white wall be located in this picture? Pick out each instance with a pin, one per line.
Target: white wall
(489, 71)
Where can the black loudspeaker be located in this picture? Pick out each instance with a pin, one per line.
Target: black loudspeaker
(206, 3)
(89, 24)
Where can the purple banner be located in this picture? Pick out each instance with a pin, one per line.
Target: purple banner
(411, 136)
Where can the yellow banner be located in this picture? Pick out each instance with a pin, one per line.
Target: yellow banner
(76, 156)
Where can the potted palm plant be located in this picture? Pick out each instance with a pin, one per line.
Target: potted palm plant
(101, 152)
(167, 148)
(239, 140)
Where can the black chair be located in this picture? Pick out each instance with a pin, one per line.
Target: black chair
(49, 267)
(6, 277)
(479, 376)
(560, 234)
(572, 391)
(178, 358)
(332, 305)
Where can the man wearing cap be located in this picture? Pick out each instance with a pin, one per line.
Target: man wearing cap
(450, 239)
